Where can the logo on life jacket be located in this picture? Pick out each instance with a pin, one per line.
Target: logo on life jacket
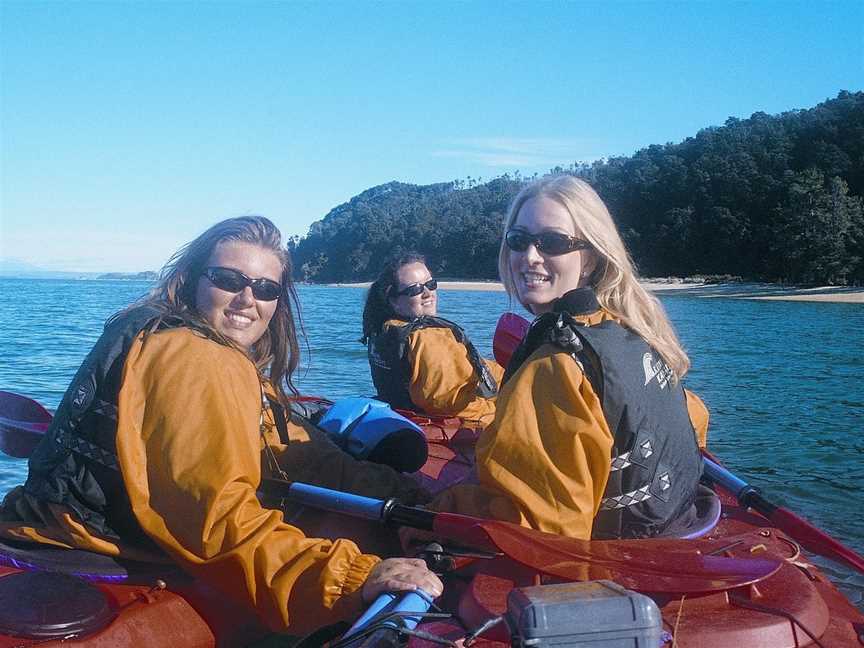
(656, 368)
(84, 395)
(376, 358)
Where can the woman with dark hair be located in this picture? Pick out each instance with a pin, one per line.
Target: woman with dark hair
(167, 429)
(418, 360)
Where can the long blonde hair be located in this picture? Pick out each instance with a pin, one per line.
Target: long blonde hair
(614, 278)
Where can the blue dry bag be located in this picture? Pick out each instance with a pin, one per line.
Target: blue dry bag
(368, 429)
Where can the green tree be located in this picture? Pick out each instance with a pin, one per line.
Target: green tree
(820, 225)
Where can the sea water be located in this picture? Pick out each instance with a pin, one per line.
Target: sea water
(784, 380)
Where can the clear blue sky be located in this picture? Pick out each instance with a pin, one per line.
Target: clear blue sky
(129, 127)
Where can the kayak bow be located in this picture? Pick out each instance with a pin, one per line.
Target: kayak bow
(801, 530)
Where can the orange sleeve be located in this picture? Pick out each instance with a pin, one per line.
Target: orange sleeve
(545, 461)
(496, 370)
(313, 458)
(442, 379)
(189, 448)
(699, 417)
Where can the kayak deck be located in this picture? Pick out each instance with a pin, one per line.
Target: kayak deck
(797, 606)
(162, 607)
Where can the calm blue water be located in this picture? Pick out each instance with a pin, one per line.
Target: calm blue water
(784, 380)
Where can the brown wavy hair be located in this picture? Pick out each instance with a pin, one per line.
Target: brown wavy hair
(178, 282)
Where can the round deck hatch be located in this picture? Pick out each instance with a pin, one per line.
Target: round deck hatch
(47, 605)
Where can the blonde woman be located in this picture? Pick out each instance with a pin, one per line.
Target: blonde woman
(592, 435)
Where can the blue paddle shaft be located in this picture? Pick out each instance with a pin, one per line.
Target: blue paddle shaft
(368, 508)
(718, 474)
(389, 603)
(336, 501)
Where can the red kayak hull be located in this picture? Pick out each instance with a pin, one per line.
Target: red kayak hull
(180, 614)
(778, 611)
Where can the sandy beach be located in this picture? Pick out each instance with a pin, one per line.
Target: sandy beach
(840, 294)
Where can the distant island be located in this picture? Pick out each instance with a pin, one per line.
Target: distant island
(769, 198)
(17, 269)
(147, 275)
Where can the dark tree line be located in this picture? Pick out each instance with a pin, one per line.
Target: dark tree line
(457, 225)
(770, 197)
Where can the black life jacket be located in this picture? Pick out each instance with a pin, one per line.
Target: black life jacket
(388, 360)
(75, 463)
(656, 464)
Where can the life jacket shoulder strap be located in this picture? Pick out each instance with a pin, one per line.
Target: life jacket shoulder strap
(280, 418)
(563, 331)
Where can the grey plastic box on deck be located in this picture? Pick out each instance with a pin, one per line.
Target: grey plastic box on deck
(596, 614)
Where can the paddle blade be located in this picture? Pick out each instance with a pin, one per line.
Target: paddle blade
(510, 330)
(22, 408)
(814, 539)
(796, 527)
(23, 422)
(661, 566)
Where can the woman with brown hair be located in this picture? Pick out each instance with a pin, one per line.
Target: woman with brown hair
(164, 435)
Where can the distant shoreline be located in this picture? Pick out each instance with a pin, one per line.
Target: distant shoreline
(733, 290)
(761, 291)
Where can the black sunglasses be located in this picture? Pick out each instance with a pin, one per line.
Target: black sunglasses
(551, 243)
(234, 281)
(415, 289)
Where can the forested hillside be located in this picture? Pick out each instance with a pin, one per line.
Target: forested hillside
(770, 197)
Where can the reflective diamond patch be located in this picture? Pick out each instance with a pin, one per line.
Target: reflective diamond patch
(627, 499)
(665, 482)
(621, 461)
(647, 449)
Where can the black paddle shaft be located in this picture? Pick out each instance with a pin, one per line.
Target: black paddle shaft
(389, 511)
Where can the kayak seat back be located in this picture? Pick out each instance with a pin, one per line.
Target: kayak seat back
(708, 509)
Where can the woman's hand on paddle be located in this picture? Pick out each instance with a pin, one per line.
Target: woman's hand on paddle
(401, 575)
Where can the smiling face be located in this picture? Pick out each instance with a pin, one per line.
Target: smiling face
(238, 315)
(426, 303)
(541, 278)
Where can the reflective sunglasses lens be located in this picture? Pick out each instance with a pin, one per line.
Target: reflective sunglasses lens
(517, 241)
(266, 290)
(227, 279)
(554, 243)
(416, 289)
(413, 291)
(235, 281)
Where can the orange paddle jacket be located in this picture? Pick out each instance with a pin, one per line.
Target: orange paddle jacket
(442, 380)
(189, 444)
(545, 460)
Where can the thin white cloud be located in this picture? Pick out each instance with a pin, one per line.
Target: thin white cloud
(519, 151)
